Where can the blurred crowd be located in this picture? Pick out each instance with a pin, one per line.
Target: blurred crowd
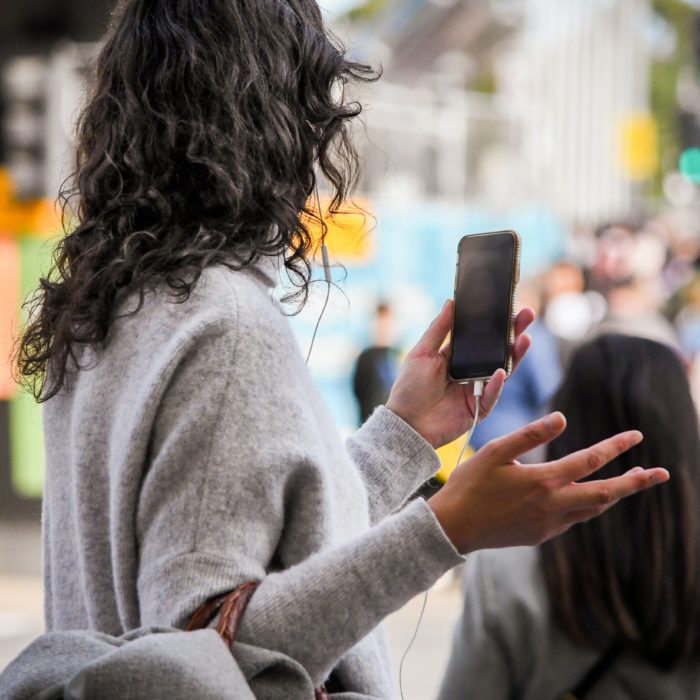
(634, 278)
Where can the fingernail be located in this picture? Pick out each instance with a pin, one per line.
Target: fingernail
(553, 420)
(636, 470)
(659, 479)
(444, 306)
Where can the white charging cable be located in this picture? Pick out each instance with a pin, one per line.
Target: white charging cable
(478, 391)
(329, 281)
(326, 269)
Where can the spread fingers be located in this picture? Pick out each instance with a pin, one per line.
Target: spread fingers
(583, 463)
(602, 494)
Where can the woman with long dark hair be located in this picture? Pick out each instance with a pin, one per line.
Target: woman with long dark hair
(616, 601)
(187, 449)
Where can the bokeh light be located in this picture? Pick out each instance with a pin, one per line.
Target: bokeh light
(689, 164)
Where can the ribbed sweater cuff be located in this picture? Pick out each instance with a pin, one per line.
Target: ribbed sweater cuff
(394, 459)
(427, 551)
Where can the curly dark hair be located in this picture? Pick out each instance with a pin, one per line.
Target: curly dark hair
(197, 146)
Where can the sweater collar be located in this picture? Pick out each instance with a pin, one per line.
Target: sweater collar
(267, 268)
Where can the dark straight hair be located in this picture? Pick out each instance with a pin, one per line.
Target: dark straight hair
(632, 575)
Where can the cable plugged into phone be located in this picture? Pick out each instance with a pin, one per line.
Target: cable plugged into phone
(478, 391)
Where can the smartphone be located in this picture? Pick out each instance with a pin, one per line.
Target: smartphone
(486, 283)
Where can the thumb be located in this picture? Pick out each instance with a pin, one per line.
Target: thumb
(434, 337)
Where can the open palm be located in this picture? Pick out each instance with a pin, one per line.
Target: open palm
(424, 396)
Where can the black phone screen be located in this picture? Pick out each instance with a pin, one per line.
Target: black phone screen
(482, 312)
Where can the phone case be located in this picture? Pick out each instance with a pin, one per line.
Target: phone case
(514, 286)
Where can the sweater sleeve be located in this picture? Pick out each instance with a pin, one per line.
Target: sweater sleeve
(233, 472)
(393, 458)
(319, 609)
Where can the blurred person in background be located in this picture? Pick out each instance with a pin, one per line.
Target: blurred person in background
(188, 451)
(616, 599)
(688, 317)
(570, 309)
(682, 250)
(613, 256)
(627, 271)
(687, 321)
(377, 366)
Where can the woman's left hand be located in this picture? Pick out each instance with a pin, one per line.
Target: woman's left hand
(424, 396)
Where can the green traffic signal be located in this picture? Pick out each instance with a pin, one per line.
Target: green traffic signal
(689, 164)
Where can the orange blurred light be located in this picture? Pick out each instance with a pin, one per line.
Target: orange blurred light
(348, 232)
(9, 309)
(39, 218)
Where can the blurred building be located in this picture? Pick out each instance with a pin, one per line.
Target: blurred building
(577, 79)
(41, 94)
(45, 48)
(36, 26)
(507, 102)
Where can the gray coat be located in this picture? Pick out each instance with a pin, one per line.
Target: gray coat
(508, 647)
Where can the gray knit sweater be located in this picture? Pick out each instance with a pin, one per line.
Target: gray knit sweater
(194, 453)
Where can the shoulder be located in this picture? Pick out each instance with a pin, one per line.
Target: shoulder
(217, 304)
(509, 583)
(154, 333)
(504, 596)
(499, 564)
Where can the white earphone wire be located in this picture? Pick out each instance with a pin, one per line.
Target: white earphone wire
(326, 271)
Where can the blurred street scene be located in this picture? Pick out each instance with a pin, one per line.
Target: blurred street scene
(574, 122)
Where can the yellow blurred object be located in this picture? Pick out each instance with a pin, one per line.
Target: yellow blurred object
(37, 218)
(7, 187)
(639, 146)
(448, 455)
(348, 232)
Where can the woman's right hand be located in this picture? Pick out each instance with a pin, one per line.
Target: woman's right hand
(492, 500)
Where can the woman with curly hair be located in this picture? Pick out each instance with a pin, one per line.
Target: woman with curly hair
(188, 451)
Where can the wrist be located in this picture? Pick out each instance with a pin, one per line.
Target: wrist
(448, 516)
(410, 420)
